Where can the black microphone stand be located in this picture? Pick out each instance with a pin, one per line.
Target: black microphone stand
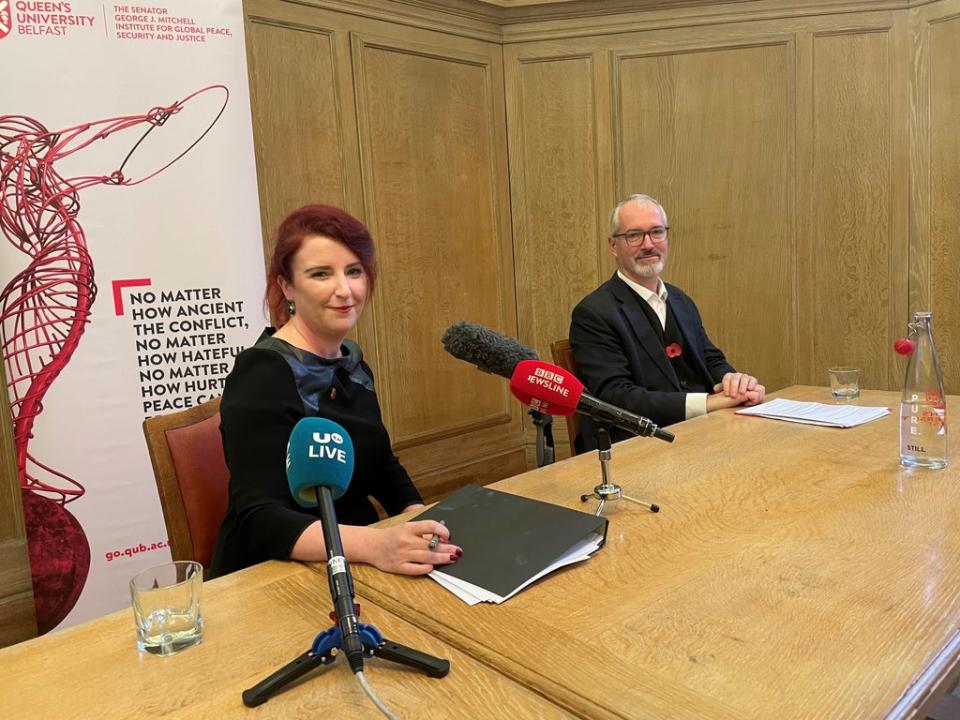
(546, 452)
(324, 649)
(607, 490)
(345, 616)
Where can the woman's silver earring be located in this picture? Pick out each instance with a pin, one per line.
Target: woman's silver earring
(291, 308)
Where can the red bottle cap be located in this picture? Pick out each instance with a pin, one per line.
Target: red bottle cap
(904, 346)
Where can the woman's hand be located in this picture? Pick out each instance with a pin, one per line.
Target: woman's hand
(405, 549)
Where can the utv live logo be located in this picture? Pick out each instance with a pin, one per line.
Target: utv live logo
(6, 19)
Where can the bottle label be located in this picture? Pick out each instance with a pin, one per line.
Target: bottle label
(929, 397)
(935, 399)
(929, 416)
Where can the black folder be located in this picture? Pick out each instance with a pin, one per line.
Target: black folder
(508, 539)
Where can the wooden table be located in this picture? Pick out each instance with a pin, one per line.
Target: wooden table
(794, 572)
(255, 621)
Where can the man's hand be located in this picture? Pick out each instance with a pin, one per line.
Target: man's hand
(736, 389)
(736, 385)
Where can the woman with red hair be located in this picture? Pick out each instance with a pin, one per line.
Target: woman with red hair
(321, 274)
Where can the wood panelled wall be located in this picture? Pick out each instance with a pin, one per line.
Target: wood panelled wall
(805, 152)
(405, 127)
(935, 226)
(779, 149)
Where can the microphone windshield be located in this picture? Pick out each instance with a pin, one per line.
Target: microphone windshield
(319, 454)
(545, 387)
(488, 350)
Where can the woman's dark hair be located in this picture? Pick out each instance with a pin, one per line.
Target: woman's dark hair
(309, 220)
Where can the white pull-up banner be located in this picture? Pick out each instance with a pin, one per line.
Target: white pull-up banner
(130, 265)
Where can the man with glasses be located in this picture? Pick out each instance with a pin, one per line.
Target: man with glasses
(639, 343)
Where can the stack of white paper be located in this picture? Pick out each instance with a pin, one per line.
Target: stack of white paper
(811, 413)
(473, 594)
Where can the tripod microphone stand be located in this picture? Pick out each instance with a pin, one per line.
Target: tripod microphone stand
(324, 649)
(362, 640)
(607, 490)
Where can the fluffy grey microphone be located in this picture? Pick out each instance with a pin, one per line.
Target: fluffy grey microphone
(488, 350)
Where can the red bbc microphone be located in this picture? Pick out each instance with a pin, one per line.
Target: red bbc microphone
(546, 388)
(550, 389)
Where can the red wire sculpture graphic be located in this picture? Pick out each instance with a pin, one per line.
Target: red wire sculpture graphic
(43, 313)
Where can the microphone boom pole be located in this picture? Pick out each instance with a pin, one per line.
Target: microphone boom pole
(341, 583)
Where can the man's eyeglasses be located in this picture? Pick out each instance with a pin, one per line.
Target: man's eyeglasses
(635, 237)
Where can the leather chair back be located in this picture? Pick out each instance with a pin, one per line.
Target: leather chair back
(192, 477)
(563, 356)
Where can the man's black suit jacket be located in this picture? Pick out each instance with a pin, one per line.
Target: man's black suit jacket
(621, 359)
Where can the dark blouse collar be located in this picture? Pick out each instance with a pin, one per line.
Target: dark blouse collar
(315, 375)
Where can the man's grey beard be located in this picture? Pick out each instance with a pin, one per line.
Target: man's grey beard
(649, 270)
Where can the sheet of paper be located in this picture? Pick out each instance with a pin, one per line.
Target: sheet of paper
(811, 413)
(473, 594)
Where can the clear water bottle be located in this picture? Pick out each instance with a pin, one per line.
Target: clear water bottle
(923, 406)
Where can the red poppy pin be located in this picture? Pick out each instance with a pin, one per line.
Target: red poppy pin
(674, 350)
